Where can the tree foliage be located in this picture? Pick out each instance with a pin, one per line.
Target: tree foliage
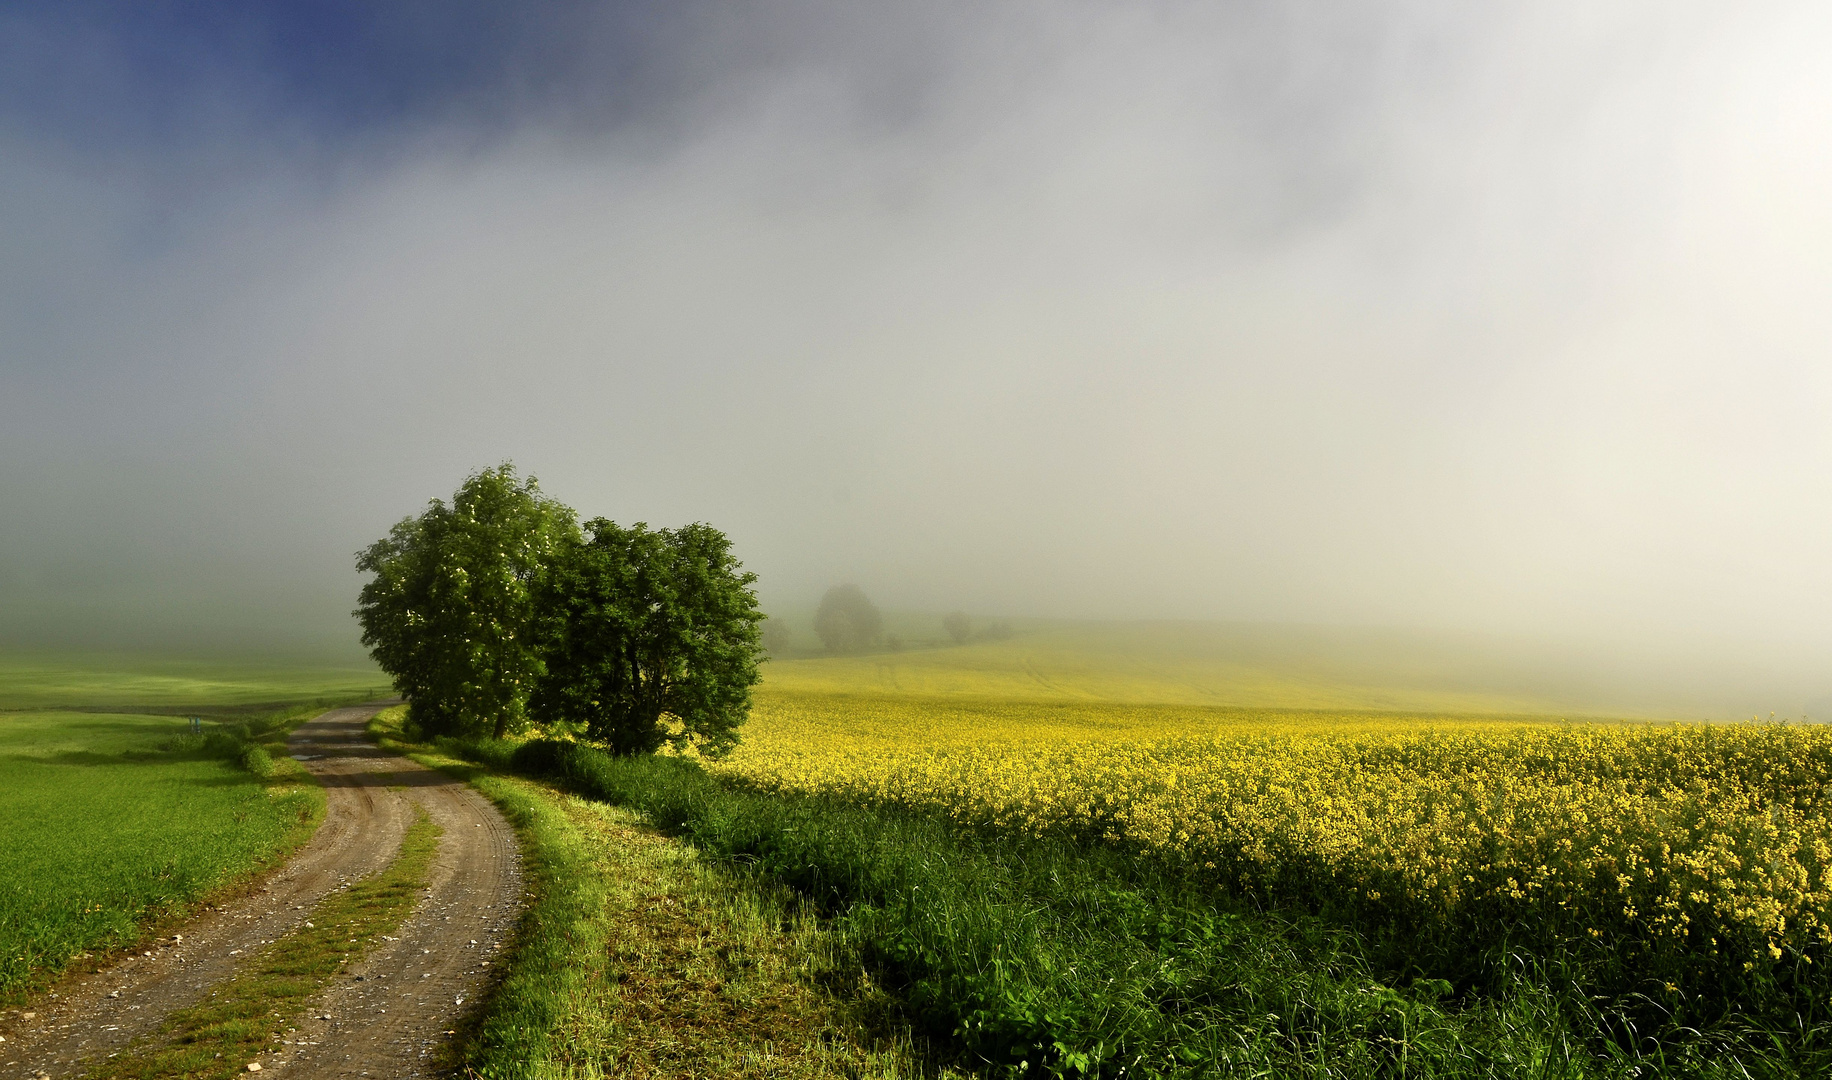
(847, 621)
(958, 626)
(651, 638)
(450, 611)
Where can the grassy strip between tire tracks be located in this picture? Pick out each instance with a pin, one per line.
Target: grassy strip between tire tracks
(241, 1018)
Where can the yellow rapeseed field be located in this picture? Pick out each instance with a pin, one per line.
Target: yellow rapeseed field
(1710, 838)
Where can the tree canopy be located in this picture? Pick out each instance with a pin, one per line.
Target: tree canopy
(651, 638)
(497, 610)
(451, 609)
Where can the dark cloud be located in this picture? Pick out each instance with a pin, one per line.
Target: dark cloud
(151, 74)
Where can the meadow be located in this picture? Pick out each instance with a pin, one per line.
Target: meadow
(117, 819)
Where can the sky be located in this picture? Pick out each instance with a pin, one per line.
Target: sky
(1504, 319)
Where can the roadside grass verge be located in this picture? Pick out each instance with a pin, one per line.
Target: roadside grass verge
(242, 1017)
(638, 957)
(119, 825)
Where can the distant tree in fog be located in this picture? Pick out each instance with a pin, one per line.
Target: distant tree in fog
(958, 626)
(777, 640)
(847, 621)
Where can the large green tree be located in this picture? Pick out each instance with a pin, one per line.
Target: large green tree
(450, 611)
(651, 639)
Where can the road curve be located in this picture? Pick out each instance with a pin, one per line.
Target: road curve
(387, 1015)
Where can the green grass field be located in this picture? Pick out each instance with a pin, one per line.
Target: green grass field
(114, 822)
(125, 680)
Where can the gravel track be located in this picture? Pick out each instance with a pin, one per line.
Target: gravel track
(390, 1013)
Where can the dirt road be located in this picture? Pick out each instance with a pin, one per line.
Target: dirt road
(389, 1013)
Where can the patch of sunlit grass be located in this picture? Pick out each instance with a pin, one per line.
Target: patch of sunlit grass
(106, 834)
